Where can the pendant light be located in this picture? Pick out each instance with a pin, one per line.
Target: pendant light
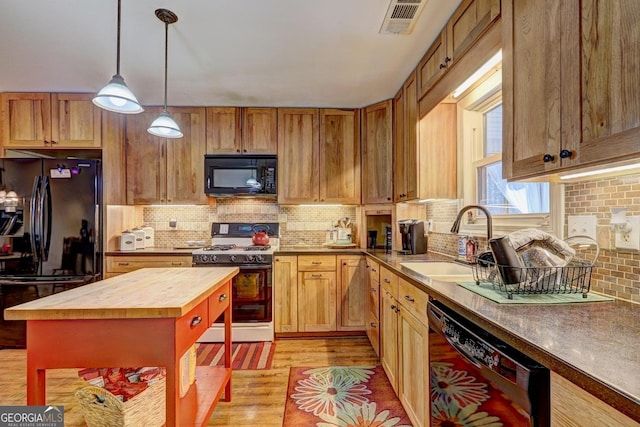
(164, 125)
(116, 96)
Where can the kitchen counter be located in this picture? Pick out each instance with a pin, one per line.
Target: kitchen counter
(594, 345)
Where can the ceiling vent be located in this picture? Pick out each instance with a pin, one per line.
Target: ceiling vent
(401, 16)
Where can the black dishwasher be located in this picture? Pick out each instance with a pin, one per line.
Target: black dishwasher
(476, 379)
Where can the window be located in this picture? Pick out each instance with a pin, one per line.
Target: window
(513, 205)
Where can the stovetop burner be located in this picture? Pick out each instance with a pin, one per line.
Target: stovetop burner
(257, 248)
(220, 247)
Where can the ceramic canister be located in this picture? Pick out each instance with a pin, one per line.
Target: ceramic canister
(127, 241)
(149, 239)
(139, 234)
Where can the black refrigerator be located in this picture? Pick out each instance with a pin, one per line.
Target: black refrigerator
(51, 215)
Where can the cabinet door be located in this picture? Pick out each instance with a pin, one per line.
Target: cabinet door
(399, 148)
(26, 119)
(377, 155)
(352, 291)
(259, 130)
(600, 105)
(223, 130)
(316, 301)
(438, 155)
(389, 337)
(372, 329)
(339, 156)
(467, 24)
(411, 138)
(532, 32)
(413, 361)
(75, 121)
(433, 64)
(146, 160)
(185, 158)
(285, 294)
(298, 163)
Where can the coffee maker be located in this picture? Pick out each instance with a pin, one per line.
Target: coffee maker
(413, 239)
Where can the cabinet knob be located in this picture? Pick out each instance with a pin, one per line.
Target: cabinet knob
(238, 150)
(373, 289)
(447, 60)
(548, 158)
(393, 307)
(222, 297)
(565, 154)
(388, 198)
(442, 66)
(196, 321)
(387, 281)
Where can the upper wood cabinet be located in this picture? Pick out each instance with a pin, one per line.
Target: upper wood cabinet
(555, 119)
(438, 153)
(470, 20)
(406, 141)
(45, 120)
(163, 170)
(318, 156)
(377, 158)
(234, 130)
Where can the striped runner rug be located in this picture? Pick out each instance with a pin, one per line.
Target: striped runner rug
(244, 356)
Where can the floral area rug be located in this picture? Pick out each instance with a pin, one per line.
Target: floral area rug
(344, 396)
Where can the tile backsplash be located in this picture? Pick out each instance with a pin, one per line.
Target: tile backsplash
(298, 224)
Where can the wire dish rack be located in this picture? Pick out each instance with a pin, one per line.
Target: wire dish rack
(571, 278)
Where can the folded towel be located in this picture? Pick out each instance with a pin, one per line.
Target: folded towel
(520, 239)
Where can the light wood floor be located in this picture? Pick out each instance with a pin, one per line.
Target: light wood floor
(258, 397)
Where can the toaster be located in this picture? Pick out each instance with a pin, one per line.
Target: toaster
(127, 241)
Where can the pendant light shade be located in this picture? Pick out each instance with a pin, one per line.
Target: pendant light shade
(116, 96)
(164, 126)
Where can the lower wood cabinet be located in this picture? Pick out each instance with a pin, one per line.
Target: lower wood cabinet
(116, 265)
(319, 293)
(372, 326)
(404, 352)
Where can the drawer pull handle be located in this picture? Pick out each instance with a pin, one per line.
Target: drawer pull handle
(387, 281)
(222, 297)
(373, 325)
(123, 263)
(316, 275)
(196, 321)
(374, 270)
(373, 289)
(176, 264)
(408, 298)
(316, 262)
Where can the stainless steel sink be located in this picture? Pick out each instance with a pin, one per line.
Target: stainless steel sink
(439, 270)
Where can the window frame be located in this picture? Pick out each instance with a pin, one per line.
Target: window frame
(470, 109)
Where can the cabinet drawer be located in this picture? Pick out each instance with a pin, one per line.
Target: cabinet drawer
(219, 301)
(373, 332)
(389, 281)
(126, 264)
(413, 299)
(374, 299)
(373, 269)
(317, 263)
(193, 324)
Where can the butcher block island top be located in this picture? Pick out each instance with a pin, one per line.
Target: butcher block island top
(148, 317)
(144, 293)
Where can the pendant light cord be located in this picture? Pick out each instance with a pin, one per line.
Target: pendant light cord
(118, 43)
(166, 54)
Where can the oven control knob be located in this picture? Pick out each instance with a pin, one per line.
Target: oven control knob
(214, 258)
(258, 258)
(203, 259)
(232, 258)
(250, 258)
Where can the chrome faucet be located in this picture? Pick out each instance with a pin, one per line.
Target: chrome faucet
(456, 224)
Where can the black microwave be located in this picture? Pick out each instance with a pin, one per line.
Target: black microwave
(240, 175)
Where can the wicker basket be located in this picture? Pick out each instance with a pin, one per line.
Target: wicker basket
(103, 409)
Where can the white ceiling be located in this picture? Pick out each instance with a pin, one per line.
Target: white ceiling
(321, 53)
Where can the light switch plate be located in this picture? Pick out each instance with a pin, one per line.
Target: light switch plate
(630, 240)
(582, 225)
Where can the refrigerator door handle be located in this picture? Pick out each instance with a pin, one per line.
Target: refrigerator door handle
(46, 208)
(34, 225)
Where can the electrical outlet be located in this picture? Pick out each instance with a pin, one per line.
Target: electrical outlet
(630, 240)
(582, 225)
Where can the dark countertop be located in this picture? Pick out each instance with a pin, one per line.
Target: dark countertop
(594, 345)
